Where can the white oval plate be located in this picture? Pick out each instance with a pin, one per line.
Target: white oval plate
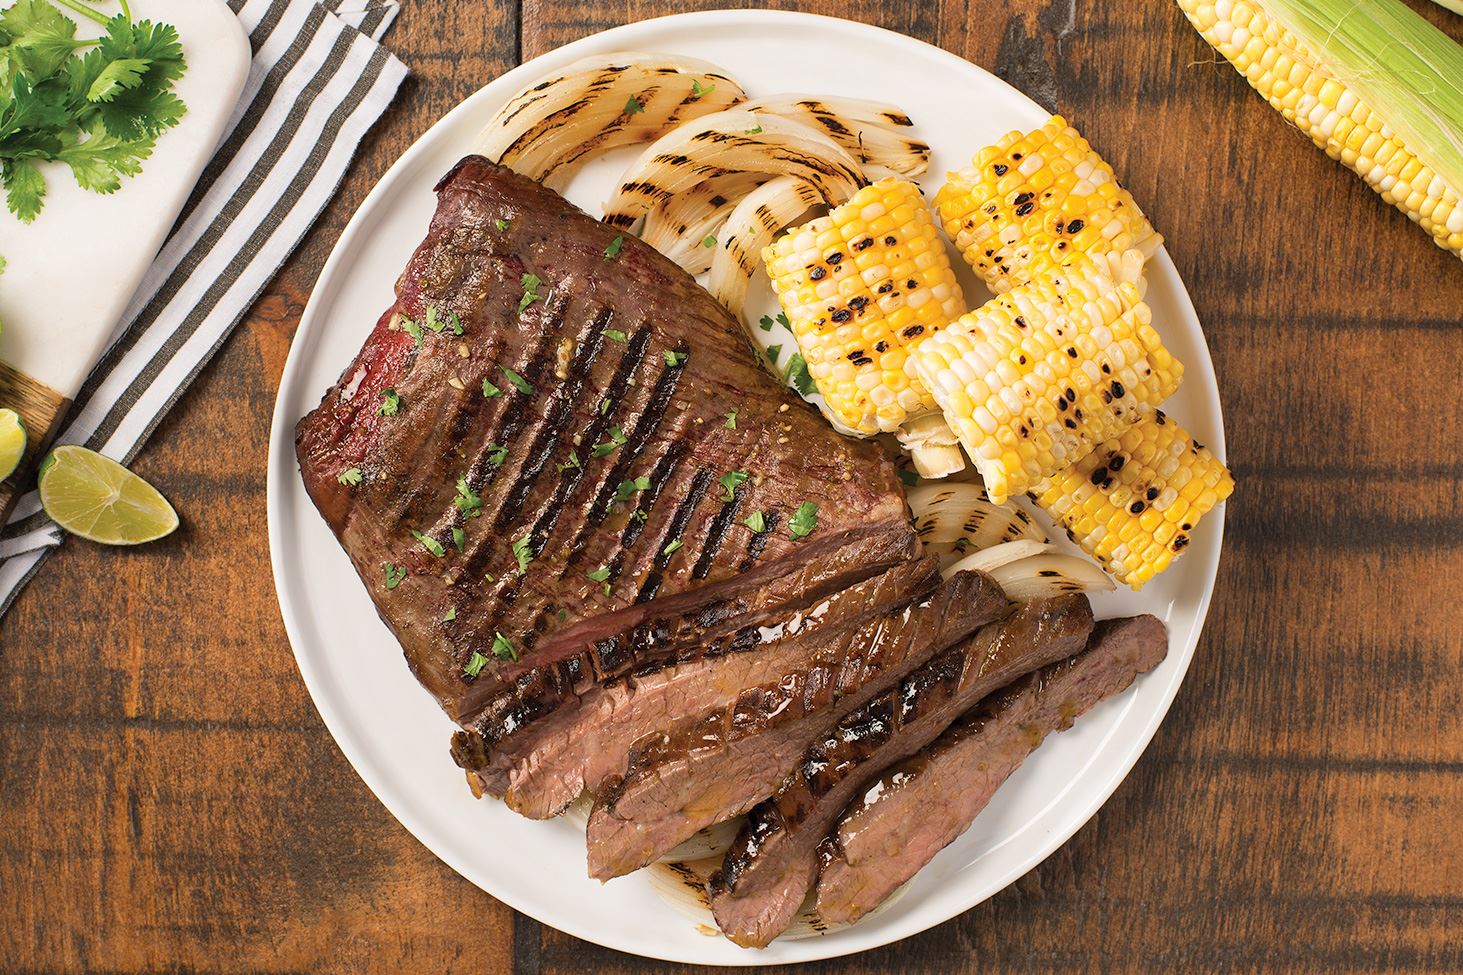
(393, 732)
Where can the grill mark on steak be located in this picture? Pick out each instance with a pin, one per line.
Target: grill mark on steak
(717, 764)
(582, 747)
(757, 890)
(758, 541)
(412, 461)
(660, 479)
(682, 517)
(646, 425)
(563, 398)
(921, 805)
(716, 534)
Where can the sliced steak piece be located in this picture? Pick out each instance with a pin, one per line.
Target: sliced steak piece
(508, 405)
(718, 764)
(497, 713)
(578, 747)
(774, 861)
(915, 809)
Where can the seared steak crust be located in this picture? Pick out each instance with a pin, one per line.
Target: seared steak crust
(775, 858)
(920, 806)
(718, 764)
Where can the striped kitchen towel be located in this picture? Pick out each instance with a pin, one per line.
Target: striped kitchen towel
(318, 82)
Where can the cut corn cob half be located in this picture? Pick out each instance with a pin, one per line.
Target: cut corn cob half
(1134, 502)
(1310, 95)
(1034, 198)
(1035, 379)
(859, 287)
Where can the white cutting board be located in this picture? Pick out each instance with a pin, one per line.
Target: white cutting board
(71, 273)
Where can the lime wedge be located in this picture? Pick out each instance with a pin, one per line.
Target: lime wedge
(99, 499)
(12, 442)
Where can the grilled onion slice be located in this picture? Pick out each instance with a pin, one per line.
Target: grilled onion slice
(871, 131)
(751, 227)
(954, 519)
(932, 445)
(680, 227)
(713, 841)
(1050, 574)
(558, 123)
(990, 559)
(731, 142)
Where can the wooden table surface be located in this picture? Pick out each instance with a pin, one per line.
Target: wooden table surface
(182, 808)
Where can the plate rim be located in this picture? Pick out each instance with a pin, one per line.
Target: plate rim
(282, 464)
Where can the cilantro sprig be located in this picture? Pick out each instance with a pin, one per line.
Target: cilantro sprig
(96, 105)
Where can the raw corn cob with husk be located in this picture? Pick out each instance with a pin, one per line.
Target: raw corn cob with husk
(1134, 502)
(1034, 198)
(860, 287)
(1036, 378)
(1373, 84)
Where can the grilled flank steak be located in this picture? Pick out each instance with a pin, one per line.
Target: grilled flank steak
(719, 764)
(554, 449)
(919, 806)
(774, 860)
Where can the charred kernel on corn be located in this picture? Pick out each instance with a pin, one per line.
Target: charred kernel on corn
(1133, 503)
(1036, 378)
(1297, 86)
(1033, 199)
(860, 286)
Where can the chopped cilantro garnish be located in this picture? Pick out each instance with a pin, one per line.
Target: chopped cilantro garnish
(782, 320)
(599, 575)
(459, 539)
(671, 547)
(351, 476)
(616, 439)
(390, 403)
(755, 131)
(774, 352)
(627, 488)
(755, 521)
(766, 323)
(519, 383)
(633, 106)
(730, 482)
(394, 574)
(797, 374)
(803, 521)
(450, 615)
(456, 323)
(429, 543)
(489, 390)
(604, 406)
(530, 283)
(709, 240)
(674, 359)
(697, 91)
(639, 515)
(613, 251)
(616, 335)
(468, 501)
(475, 664)
(572, 462)
(501, 224)
(503, 647)
(413, 329)
(432, 321)
(731, 418)
(497, 454)
(523, 552)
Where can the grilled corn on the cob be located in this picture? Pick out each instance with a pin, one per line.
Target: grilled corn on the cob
(1032, 199)
(860, 286)
(1312, 95)
(1036, 378)
(1134, 501)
